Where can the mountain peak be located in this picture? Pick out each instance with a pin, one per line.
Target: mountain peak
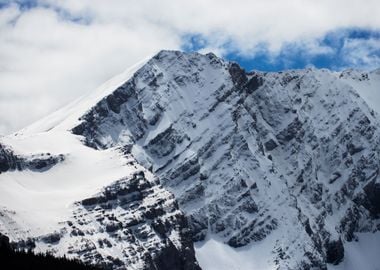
(186, 148)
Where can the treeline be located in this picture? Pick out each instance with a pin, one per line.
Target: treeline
(12, 259)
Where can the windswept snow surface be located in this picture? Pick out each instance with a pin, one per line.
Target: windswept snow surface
(213, 254)
(43, 199)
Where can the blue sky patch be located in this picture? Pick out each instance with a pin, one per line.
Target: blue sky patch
(22, 4)
(343, 48)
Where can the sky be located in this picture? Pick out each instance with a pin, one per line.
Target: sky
(53, 51)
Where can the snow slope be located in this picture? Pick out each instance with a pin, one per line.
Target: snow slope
(213, 254)
(42, 200)
(361, 254)
(366, 84)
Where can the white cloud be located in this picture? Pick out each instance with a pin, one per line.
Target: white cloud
(362, 53)
(47, 58)
(45, 61)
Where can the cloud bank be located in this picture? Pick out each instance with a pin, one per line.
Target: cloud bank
(54, 51)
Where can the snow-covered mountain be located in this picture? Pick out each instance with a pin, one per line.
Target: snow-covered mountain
(186, 161)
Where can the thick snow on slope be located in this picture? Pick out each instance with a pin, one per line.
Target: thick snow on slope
(98, 206)
(362, 254)
(213, 254)
(42, 199)
(366, 84)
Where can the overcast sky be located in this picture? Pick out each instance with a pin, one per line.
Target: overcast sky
(52, 51)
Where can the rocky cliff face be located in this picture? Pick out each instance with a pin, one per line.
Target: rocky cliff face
(9, 161)
(246, 155)
(134, 222)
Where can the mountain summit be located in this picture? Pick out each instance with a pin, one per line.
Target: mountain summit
(187, 161)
